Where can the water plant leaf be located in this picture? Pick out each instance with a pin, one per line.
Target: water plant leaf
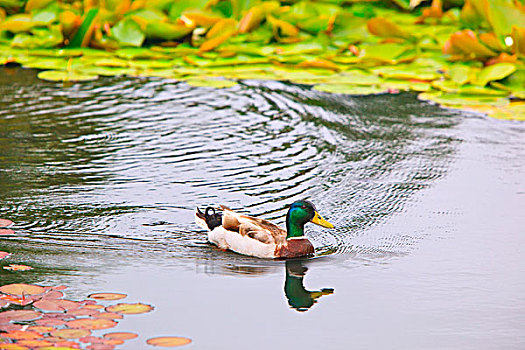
(4, 255)
(128, 309)
(215, 83)
(459, 74)
(84, 32)
(107, 296)
(349, 89)
(22, 289)
(459, 100)
(219, 33)
(512, 111)
(59, 75)
(6, 232)
(17, 267)
(466, 43)
(128, 33)
(121, 335)
(22, 335)
(166, 31)
(71, 333)
(384, 28)
(495, 72)
(19, 315)
(56, 305)
(10, 346)
(91, 324)
(5, 223)
(108, 315)
(168, 341)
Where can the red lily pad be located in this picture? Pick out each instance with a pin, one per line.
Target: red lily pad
(107, 296)
(130, 309)
(5, 223)
(15, 267)
(22, 335)
(71, 333)
(56, 305)
(22, 289)
(86, 323)
(120, 335)
(6, 232)
(19, 315)
(4, 255)
(168, 341)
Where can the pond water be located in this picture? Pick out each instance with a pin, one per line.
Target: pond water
(102, 180)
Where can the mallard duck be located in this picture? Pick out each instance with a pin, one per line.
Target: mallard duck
(260, 238)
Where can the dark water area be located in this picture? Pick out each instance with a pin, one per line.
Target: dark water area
(102, 179)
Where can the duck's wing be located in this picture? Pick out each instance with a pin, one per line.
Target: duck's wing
(259, 229)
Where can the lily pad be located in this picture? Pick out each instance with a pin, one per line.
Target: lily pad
(91, 324)
(107, 296)
(168, 341)
(58, 75)
(349, 89)
(215, 83)
(5, 223)
(129, 309)
(22, 289)
(128, 33)
(495, 72)
(120, 335)
(17, 267)
(70, 333)
(4, 255)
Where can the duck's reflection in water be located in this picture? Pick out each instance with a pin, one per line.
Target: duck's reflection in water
(298, 297)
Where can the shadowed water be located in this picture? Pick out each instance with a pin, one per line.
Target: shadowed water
(102, 179)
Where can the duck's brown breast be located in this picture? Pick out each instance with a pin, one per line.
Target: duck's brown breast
(294, 248)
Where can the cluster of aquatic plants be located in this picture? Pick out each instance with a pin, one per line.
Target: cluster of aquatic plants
(471, 55)
(40, 317)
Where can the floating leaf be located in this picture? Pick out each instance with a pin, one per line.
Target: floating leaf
(466, 43)
(512, 111)
(34, 343)
(5, 223)
(22, 335)
(349, 89)
(22, 289)
(128, 309)
(167, 31)
(459, 74)
(128, 33)
(459, 100)
(4, 255)
(87, 323)
(108, 315)
(120, 335)
(168, 341)
(6, 232)
(71, 333)
(211, 83)
(56, 305)
(107, 296)
(495, 72)
(58, 75)
(19, 315)
(15, 267)
(383, 27)
(9, 346)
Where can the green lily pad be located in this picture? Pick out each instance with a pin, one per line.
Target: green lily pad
(459, 74)
(128, 33)
(495, 72)
(350, 89)
(388, 52)
(210, 83)
(459, 100)
(61, 75)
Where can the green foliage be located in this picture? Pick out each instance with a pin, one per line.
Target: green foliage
(474, 49)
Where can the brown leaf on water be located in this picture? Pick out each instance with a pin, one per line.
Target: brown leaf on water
(22, 335)
(168, 341)
(22, 289)
(120, 335)
(34, 343)
(15, 267)
(130, 309)
(91, 324)
(19, 315)
(71, 333)
(9, 346)
(107, 296)
(56, 305)
(41, 329)
(108, 315)
(5, 222)
(48, 322)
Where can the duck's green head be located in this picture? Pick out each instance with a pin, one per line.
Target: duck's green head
(299, 214)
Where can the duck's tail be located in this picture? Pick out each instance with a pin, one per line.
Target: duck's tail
(210, 219)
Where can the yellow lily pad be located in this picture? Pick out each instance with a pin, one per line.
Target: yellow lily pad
(59, 75)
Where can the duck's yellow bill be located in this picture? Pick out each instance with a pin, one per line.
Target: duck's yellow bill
(318, 219)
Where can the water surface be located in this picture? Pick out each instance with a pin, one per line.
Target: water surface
(102, 179)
